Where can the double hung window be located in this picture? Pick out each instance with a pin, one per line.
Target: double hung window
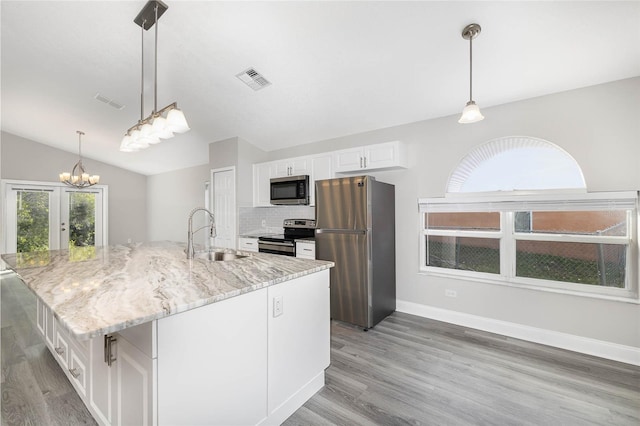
(577, 242)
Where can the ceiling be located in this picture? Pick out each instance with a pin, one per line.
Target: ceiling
(336, 68)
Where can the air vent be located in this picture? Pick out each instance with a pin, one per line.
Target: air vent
(253, 79)
(108, 101)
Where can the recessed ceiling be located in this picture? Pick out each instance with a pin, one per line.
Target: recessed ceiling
(336, 68)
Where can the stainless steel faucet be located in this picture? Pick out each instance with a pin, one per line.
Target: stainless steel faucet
(191, 251)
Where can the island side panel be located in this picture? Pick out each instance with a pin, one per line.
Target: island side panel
(212, 363)
(299, 342)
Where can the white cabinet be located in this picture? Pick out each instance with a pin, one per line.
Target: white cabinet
(262, 185)
(123, 393)
(316, 166)
(306, 249)
(72, 355)
(291, 167)
(248, 244)
(299, 330)
(371, 157)
(321, 168)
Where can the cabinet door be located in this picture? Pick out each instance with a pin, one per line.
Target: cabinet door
(299, 166)
(382, 155)
(348, 160)
(40, 316)
(320, 169)
(261, 184)
(135, 379)
(101, 383)
(298, 335)
(280, 169)
(50, 327)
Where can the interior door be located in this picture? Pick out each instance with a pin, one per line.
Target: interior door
(224, 207)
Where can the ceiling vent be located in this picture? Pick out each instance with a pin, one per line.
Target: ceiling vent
(253, 79)
(108, 101)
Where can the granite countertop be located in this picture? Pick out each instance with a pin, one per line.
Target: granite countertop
(126, 285)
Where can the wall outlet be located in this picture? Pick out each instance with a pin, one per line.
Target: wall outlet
(277, 306)
(451, 293)
(264, 223)
(128, 240)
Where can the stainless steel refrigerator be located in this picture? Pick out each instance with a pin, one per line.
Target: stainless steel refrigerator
(355, 228)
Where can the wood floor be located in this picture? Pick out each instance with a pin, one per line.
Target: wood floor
(406, 371)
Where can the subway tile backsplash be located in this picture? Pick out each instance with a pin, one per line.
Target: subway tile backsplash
(269, 219)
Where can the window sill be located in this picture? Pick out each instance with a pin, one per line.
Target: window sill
(498, 280)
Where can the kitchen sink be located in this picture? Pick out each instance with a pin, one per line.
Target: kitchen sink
(218, 255)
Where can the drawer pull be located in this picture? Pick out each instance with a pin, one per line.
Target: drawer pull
(74, 372)
(59, 350)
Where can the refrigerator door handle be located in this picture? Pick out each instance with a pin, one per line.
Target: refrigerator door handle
(341, 231)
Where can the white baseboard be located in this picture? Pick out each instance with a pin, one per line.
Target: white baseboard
(295, 401)
(585, 345)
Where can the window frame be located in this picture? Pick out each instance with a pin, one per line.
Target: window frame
(507, 205)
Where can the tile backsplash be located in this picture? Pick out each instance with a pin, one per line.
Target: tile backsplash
(269, 219)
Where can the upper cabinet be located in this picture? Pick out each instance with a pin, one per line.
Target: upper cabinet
(386, 155)
(382, 156)
(291, 167)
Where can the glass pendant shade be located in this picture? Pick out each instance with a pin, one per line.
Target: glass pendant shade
(176, 122)
(160, 128)
(471, 114)
(146, 135)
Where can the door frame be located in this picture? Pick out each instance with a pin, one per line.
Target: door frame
(5, 187)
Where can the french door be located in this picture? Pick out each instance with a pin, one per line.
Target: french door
(42, 216)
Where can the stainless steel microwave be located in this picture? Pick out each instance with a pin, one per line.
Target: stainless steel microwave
(290, 190)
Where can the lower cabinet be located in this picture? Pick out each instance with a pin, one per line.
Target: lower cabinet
(247, 360)
(122, 390)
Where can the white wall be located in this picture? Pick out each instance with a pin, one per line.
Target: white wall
(170, 198)
(25, 159)
(598, 126)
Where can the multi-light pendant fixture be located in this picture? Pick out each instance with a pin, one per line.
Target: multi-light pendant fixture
(163, 123)
(79, 178)
(471, 112)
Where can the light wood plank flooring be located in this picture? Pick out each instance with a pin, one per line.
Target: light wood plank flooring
(406, 371)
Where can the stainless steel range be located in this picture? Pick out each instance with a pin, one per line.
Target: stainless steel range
(286, 243)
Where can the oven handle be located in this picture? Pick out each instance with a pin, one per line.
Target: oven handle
(276, 244)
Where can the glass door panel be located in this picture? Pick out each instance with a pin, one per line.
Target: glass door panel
(32, 216)
(81, 225)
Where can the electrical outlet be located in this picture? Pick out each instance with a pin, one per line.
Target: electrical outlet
(128, 240)
(451, 293)
(264, 223)
(277, 306)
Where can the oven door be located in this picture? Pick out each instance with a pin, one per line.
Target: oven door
(287, 248)
(290, 190)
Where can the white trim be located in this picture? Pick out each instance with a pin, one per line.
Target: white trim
(584, 345)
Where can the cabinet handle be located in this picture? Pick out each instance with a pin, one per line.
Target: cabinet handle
(59, 350)
(365, 162)
(306, 249)
(360, 162)
(108, 349)
(74, 372)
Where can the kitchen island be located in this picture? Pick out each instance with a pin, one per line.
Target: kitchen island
(147, 336)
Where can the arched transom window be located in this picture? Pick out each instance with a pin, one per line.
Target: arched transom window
(516, 163)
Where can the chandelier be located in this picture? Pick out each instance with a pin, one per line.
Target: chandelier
(163, 123)
(471, 112)
(79, 178)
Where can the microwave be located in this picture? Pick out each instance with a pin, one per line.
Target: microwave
(290, 190)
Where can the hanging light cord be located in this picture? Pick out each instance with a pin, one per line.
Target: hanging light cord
(155, 72)
(142, 71)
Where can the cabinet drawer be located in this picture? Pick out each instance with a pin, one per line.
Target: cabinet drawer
(248, 244)
(306, 250)
(78, 372)
(61, 348)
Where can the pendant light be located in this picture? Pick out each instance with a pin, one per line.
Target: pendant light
(150, 130)
(79, 178)
(471, 112)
